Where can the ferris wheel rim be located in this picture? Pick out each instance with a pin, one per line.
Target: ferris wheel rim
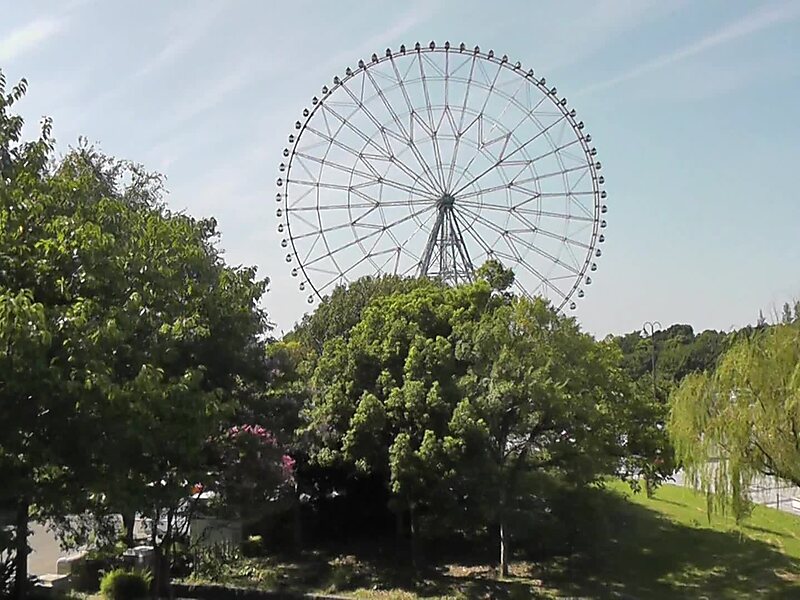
(319, 104)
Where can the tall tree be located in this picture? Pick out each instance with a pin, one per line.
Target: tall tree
(338, 313)
(544, 396)
(384, 396)
(456, 396)
(147, 334)
(743, 419)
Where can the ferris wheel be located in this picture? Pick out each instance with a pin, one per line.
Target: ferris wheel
(429, 161)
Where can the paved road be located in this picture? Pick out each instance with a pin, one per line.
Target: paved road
(45, 550)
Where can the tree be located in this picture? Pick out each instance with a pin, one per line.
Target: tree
(384, 396)
(252, 472)
(743, 419)
(147, 336)
(338, 313)
(786, 314)
(458, 397)
(24, 345)
(538, 396)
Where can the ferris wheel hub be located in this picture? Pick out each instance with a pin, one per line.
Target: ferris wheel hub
(446, 201)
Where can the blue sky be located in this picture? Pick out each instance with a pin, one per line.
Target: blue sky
(694, 108)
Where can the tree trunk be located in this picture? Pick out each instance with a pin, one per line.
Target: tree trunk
(399, 530)
(128, 523)
(156, 557)
(413, 527)
(504, 550)
(21, 551)
(297, 522)
(168, 543)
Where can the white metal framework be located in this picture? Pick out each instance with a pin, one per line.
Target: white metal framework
(429, 161)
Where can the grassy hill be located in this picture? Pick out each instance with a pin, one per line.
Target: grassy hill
(666, 547)
(659, 548)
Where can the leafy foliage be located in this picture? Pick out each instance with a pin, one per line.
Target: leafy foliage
(456, 397)
(253, 472)
(121, 584)
(120, 325)
(742, 419)
(678, 352)
(338, 313)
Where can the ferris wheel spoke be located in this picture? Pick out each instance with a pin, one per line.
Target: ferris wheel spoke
(296, 201)
(342, 276)
(334, 165)
(512, 153)
(552, 214)
(533, 212)
(482, 148)
(518, 239)
(364, 159)
(384, 153)
(303, 220)
(480, 192)
(457, 130)
(490, 90)
(487, 250)
(357, 205)
(392, 254)
(388, 106)
(312, 246)
(332, 228)
(544, 282)
(433, 128)
(370, 235)
(562, 172)
(578, 181)
(412, 112)
(380, 127)
(424, 81)
(356, 189)
(404, 245)
(547, 233)
(528, 162)
(512, 100)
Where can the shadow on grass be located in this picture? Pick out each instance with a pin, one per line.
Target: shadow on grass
(639, 555)
(666, 501)
(649, 556)
(761, 529)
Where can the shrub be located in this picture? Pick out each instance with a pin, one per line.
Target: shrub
(225, 564)
(86, 574)
(213, 563)
(253, 546)
(346, 573)
(121, 584)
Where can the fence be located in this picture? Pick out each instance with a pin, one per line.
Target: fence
(768, 491)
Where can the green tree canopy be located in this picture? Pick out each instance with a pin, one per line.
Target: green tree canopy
(743, 419)
(456, 395)
(125, 335)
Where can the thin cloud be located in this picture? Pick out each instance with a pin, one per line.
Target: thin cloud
(752, 23)
(185, 34)
(212, 94)
(592, 26)
(28, 37)
(189, 29)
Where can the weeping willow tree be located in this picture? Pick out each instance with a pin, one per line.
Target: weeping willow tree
(742, 420)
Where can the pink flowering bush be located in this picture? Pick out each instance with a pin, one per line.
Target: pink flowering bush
(254, 472)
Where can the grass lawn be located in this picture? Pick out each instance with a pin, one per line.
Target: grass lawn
(663, 547)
